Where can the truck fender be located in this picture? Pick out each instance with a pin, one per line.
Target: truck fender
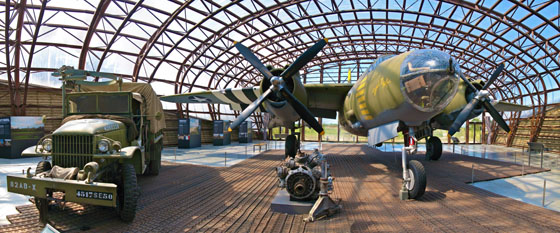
(34, 151)
(134, 153)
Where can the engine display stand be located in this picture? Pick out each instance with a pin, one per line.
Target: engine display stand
(282, 204)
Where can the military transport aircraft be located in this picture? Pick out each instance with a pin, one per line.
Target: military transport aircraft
(414, 92)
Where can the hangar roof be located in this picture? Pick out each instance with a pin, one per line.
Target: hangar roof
(182, 46)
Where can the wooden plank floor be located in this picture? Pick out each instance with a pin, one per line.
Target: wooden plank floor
(237, 199)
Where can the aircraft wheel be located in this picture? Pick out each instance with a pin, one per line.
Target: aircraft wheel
(379, 144)
(291, 146)
(433, 148)
(417, 185)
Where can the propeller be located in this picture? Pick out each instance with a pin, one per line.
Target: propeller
(480, 97)
(278, 85)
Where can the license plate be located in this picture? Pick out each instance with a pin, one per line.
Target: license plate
(94, 195)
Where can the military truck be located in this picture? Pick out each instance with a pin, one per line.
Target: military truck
(110, 133)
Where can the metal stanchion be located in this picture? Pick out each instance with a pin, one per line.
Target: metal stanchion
(472, 174)
(529, 158)
(522, 168)
(225, 159)
(453, 148)
(542, 155)
(175, 153)
(544, 192)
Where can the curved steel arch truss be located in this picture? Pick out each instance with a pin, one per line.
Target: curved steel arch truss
(183, 46)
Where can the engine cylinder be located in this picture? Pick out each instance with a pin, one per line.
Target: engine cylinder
(301, 184)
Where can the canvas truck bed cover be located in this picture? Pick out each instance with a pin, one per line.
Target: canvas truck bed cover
(153, 104)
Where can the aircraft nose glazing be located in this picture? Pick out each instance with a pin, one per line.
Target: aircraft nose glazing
(426, 80)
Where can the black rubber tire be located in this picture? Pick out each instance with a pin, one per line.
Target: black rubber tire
(42, 204)
(379, 144)
(419, 174)
(128, 194)
(433, 148)
(42, 166)
(155, 163)
(291, 146)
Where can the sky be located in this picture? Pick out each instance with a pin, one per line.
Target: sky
(54, 57)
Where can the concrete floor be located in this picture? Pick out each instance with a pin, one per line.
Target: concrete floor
(527, 188)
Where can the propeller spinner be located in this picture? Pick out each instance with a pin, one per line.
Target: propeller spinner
(481, 97)
(278, 85)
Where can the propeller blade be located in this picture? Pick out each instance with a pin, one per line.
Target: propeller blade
(462, 117)
(251, 58)
(303, 111)
(249, 110)
(496, 115)
(303, 59)
(494, 76)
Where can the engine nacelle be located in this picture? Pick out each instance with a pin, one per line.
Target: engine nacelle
(282, 112)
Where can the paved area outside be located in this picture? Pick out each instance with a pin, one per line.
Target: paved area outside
(8, 201)
(186, 197)
(528, 188)
(494, 152)
(224, 156)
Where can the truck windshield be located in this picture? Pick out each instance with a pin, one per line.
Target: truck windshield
(105, 104)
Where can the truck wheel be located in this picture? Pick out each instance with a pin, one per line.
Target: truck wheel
(155, 164)
(127, 194)
(42, 204)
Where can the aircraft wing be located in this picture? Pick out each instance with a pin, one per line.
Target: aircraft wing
(237, 98)
(502, 106)
(323, 100)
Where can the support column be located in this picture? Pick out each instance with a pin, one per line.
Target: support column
(467, 132)
(483, 129)
(302, 124)
(319, 138)
(339, 72)
(337, 131)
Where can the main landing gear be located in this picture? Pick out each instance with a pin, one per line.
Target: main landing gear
(433, 148)
(414, 174)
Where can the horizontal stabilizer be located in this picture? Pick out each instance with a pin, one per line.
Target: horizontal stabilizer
(502, 106)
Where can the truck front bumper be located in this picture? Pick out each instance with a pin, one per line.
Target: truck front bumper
(103, 194)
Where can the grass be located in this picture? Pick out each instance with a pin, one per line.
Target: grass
(331, 134)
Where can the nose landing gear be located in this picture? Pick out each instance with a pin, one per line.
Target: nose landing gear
(414, 174)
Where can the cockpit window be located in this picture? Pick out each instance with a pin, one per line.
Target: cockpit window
(427, 81)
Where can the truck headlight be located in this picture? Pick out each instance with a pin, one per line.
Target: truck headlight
(103, 145)
(47, 144)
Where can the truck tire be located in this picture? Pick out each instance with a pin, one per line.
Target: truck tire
(128, 194)
(155, 164)
(42, 204)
